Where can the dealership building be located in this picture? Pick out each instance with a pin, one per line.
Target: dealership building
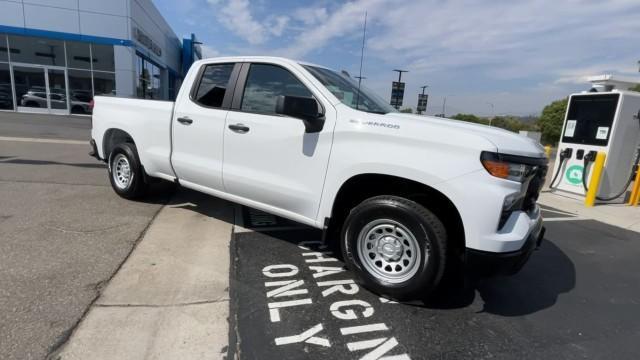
(55, 55)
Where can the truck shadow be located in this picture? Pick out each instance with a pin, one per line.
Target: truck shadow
(48, 162)
(548, 274)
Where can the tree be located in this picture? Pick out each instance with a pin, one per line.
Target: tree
(407, 110)
(470, 118)
(512, 123)
(635, 88)
(551, 121)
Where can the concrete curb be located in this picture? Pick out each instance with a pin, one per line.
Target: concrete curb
(170, 299)
(619, 215)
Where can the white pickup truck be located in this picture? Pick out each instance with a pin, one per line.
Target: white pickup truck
(407, 197)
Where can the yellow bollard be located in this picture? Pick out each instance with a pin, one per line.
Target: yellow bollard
(547, 150)
(635, 190)
(594, 184)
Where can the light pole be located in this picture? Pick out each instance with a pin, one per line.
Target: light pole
(493, 112)
(399, 81)
(444, 105)
(400, 73)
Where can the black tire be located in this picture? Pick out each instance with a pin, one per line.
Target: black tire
(422, 224)
(136, 187)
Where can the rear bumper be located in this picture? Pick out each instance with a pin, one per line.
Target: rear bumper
(94, 150)
(489, 263)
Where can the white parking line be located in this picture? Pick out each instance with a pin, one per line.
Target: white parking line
(563, 219)
(557, 212)
(47, 141)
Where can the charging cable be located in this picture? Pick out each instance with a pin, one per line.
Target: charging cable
(564, 155)
(591, 157)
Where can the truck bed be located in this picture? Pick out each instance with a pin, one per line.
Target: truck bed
(147, 121)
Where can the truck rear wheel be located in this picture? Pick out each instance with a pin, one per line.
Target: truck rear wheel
(125, 172)
(396, 247)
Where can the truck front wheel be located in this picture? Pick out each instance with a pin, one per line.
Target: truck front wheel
(125, 172)
(395, 246)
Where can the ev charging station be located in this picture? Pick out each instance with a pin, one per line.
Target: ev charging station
(605, 122)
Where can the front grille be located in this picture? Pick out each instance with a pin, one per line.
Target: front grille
(535, 186)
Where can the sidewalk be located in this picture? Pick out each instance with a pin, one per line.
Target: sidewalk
(620, 215)
(170, 299)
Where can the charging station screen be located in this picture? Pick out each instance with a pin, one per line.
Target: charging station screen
(590, 118)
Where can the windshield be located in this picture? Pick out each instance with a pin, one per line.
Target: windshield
(346, 90)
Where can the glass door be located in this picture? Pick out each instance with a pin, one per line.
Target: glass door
(31, 88)
(57, 91)
(41, 89)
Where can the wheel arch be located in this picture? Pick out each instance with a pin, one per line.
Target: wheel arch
(363, 186)
(113, 137)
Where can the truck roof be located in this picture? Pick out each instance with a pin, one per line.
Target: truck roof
(258, 58)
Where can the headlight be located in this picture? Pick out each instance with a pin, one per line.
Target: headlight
(504, 167)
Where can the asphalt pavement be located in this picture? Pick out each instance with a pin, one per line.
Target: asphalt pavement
(46, 126)
(63, 231)
(577, 298)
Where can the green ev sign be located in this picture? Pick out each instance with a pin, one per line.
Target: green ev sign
(574, 174)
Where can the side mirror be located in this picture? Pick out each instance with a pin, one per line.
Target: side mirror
(303, 108)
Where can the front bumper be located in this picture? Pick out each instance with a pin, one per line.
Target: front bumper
(489, 263)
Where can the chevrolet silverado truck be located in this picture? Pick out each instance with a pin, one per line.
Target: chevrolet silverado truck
(407, 197)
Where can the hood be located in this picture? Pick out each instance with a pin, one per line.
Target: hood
(505, 141)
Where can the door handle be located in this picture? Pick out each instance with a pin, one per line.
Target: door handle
(185, 121)
(239, 128)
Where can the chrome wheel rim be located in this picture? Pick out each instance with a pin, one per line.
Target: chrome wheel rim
(389, 251)
(121, 171)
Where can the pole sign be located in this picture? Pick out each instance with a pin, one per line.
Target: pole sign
(397, 93)
(422, 102)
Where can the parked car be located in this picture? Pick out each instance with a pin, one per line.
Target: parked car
(408, 198)
(80, 102)
(38, 99)
(34, 98)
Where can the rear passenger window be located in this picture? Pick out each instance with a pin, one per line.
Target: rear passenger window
(265, 83)
(213, 84)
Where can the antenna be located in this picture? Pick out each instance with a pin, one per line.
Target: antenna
(359, 77)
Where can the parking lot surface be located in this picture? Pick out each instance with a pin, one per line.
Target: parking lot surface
(45, 126)
(576, 298)
(63, 234)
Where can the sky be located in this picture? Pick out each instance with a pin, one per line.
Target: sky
(488, 57)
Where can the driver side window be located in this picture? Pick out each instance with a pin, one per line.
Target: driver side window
(265, 83)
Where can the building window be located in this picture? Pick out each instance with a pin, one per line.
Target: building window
(39, 51)
(4, 51)
(30, 86)
(6, 94)
(102, 56)
(78, 55)
(80, 91)
(149, 79)
(104, 83)
(172, 86)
